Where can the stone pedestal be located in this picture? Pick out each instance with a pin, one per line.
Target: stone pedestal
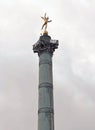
(45, 48)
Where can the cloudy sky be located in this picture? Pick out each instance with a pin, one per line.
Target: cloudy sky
(73, 63)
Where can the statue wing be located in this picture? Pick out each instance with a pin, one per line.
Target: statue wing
(42, 17)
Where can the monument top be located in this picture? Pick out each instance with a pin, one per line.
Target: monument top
(44, 26)
(45, 44)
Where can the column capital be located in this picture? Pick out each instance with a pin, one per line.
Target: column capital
(45, 45)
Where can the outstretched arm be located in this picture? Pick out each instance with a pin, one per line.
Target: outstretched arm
(45, 15)
(50, 21)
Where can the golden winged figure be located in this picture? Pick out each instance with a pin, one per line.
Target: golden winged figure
(46, 21)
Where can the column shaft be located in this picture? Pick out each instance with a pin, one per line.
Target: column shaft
(45, 112)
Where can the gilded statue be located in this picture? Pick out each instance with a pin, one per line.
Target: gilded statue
(46, 21)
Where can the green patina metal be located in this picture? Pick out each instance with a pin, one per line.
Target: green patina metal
(45, 48)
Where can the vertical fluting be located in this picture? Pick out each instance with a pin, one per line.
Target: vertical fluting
(45, 112)
(45, 48)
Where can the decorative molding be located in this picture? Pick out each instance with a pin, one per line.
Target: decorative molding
(45, 62)
(46, 110)
(45, 85)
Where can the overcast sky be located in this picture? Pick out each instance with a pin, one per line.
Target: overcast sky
(73, 24)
